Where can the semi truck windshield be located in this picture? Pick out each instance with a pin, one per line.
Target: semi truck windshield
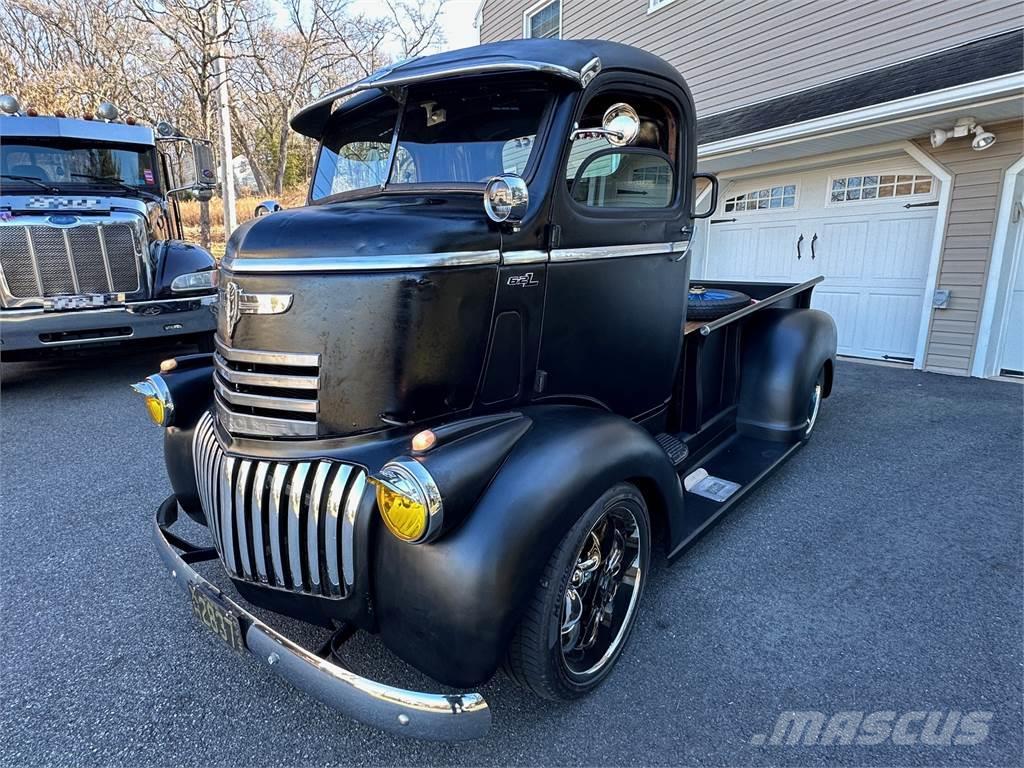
(76, 165)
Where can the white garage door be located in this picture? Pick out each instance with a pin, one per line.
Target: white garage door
(867, 228)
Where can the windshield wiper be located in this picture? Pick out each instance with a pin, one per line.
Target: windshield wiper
(30, 180)
(118, 181)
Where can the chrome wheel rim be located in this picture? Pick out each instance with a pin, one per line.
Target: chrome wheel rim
(813, 409)
(603, 591)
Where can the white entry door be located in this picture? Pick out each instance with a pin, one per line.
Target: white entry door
(867, 228)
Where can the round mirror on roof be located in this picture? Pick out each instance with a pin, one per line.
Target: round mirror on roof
(622, 124)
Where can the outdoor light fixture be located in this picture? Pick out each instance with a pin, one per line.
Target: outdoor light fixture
(963, 127)
(982, 139)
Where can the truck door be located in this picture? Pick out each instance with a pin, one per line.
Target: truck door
(616, 293)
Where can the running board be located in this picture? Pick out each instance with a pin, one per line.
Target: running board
(740, 460)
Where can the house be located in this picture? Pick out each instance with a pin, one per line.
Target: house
(877, 143)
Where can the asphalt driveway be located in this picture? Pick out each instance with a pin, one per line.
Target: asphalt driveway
(878, 571)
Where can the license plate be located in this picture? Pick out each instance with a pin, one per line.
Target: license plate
(87, 301)
(218, 618)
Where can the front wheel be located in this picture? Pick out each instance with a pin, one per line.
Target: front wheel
(577, 624)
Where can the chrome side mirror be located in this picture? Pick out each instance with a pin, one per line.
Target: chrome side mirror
(506, 198)
(266, 207)
(620, 126)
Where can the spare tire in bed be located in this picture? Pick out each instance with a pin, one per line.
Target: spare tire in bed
(713, 303)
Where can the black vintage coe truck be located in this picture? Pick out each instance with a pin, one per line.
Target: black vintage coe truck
(457, 395)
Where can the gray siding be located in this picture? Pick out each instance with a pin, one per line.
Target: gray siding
(967, 247)
(736, 52)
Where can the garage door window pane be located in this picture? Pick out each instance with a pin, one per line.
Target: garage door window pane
(881, 186)
(782, 196)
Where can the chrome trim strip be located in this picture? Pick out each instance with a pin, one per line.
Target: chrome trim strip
(294, 510)
(409, 713)
(244, 424)
(240, 514)
(288, 381)
(348, 525)
(227, 537)
(297, 359)
(388, 78)
(264, 401)
(334, 500)
(394, 262)
(276, 493)
(316, 497)
(71, 260)
(619, 251)
(106, 258)
(259, 484)
(524, 257)
(35, 260)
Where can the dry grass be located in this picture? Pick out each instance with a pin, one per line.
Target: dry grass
(244, 208)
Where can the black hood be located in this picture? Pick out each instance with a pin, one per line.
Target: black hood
(384, 225)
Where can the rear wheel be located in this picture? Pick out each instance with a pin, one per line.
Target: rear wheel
(814, 404)
(577, 624)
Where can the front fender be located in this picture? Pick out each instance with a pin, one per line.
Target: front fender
(450, 607)
(191, 388)
(174, 258)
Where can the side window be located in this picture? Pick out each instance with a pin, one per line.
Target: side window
(637, 172)
(625, 178)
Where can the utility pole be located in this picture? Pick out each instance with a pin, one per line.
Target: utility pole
(227, 171)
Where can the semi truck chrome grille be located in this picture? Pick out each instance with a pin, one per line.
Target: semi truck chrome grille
(38, 261)
(285, 524)
(266, 394)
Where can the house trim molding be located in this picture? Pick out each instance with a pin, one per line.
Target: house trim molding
(945, 177)
(995, 89)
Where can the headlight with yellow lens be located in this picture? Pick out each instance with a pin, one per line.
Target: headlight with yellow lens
(159, 405)
(408, 500)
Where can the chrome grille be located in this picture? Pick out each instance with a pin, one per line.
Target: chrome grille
(286, 524)
(39, 261)
(266, 394)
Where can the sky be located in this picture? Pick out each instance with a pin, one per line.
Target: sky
(457, 20)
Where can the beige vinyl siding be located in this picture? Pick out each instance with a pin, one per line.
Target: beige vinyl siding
(967, 245)
(736, 52)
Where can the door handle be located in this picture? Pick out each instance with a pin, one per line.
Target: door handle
(798, 241)
(813, 241)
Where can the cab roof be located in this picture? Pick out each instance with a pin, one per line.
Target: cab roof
(574, 62)
(24, 126)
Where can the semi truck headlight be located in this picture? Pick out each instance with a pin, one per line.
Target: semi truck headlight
(408, 500)
(195, 281)
(159, 405)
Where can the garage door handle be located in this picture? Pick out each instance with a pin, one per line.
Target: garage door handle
(813, 241)
(798, 241)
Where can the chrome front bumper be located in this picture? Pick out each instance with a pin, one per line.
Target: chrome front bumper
(24, 329)
(408, 713)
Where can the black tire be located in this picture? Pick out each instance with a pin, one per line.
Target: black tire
(535, 658)
(713, 303)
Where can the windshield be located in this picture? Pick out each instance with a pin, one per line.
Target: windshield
(458, 133)
(76, 165)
